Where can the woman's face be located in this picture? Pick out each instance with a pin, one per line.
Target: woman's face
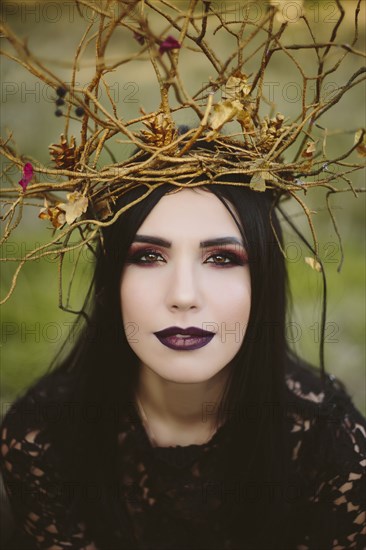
(186, 282)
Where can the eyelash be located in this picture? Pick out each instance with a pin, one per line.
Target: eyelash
(234, 259)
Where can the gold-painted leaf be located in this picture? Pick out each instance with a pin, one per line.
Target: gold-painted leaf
(314, 264)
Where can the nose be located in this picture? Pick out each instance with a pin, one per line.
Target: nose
(183, 288)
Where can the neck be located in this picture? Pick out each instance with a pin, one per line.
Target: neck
(180, 413)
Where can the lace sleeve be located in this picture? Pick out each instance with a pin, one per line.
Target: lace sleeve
(33, 487)
(338, 493)
(344, 489)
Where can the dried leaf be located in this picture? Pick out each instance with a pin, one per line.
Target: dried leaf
(268, 176)
(314, 264)
(245, 120)
(258, 183)
(76, 206)
(224, 112)
(310, 149)
(237, 87)
(103, 209)
(361, 148)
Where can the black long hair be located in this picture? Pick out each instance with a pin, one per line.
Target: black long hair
(103, 374)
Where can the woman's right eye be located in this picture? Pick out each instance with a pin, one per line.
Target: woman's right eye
(150, 256)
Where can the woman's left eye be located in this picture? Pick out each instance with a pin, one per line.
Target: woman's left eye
(224, 259)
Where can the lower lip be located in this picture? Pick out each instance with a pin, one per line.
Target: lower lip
(185, 344)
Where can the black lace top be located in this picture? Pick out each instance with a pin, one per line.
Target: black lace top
(163, 501)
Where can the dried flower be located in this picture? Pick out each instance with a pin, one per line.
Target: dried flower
(76, 206)
(170, 43)
(27, 175)
(361, 147)
(52, 213)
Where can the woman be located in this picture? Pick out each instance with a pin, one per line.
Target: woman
(180, 419)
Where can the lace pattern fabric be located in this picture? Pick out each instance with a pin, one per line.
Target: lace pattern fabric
(162, 487)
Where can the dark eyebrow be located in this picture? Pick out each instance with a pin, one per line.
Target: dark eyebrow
(203, 244)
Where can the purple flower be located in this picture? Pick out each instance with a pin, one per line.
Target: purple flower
(27, 175)
(170, 43)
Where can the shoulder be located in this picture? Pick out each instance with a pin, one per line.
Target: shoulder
(39, 495)
(328, 451)
(303, 381)
(312, 404)
(24, 428)
(327, 430)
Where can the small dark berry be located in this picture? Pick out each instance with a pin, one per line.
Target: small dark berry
(79, 111)
(182, 129)
(58, 112)
(61, 91)
(60, 101)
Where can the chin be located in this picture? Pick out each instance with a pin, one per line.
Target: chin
(186, 374)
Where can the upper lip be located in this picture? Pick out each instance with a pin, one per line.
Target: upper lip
(192, 331)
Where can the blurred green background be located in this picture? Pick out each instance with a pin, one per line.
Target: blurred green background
(33, 327)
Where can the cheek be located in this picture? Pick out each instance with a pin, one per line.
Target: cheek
(231, 307)
(234, 315)
(238, 296)
(238, 310)
(136, 297)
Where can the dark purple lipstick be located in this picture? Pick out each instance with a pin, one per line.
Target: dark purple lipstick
(184, 338)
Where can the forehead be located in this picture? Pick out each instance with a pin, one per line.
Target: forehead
(193, 211)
